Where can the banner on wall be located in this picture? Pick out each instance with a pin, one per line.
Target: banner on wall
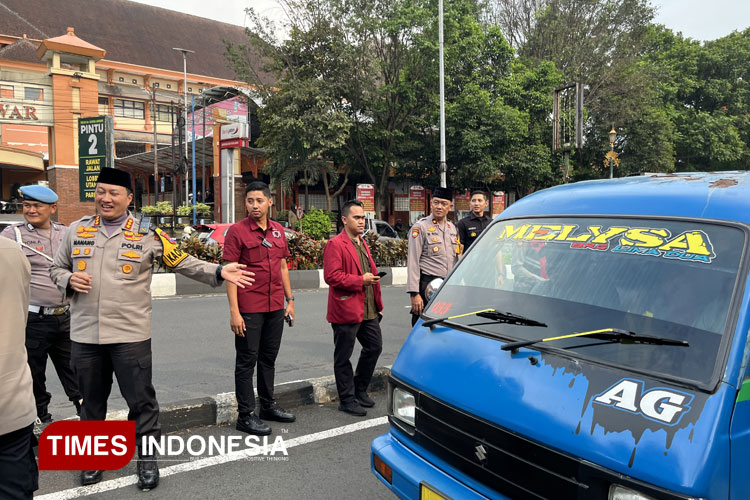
(461, 202)
(366, 194)
(498, 202)
(416, 203)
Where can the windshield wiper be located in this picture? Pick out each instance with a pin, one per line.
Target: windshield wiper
(495, 316)
(611, 334)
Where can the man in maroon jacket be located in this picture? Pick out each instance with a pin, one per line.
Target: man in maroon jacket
(354, 309)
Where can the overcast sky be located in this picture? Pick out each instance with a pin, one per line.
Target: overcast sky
(697, 19)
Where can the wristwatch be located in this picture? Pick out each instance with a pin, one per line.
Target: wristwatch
(289, 299)
(413, 294)
(218, 273)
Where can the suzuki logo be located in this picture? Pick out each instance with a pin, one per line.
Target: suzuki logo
(480, 452)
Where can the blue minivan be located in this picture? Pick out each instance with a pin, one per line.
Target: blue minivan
(592, 344)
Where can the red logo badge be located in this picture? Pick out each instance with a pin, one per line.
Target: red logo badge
(87, 445)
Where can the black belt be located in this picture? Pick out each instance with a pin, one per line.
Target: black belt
(49, 311)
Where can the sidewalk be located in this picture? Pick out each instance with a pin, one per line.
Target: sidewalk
(169, 284)
(222, 408)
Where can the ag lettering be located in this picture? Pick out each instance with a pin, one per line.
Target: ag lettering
(659, 404)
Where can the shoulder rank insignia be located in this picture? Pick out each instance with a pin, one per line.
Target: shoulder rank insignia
(131, 236)
(173, 254)
(129, 224)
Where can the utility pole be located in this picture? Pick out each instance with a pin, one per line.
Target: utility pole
(443, 166)
(154, 115)
(185, 52)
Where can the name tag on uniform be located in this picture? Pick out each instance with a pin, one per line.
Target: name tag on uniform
(266, 243)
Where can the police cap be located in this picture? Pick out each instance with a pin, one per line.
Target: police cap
(38, 193)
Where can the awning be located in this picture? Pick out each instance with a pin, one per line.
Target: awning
(21, 160)
(224, 92)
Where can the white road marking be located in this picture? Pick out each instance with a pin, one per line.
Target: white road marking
(214, 460)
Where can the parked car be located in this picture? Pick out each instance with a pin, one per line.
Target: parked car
(591, 344)
(9, 219)
(384, 230)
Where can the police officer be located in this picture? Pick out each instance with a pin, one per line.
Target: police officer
(105, 263)
(471, 226)
(48, 325)
(434, 248)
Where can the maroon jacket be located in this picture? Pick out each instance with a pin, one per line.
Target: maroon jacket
(343, 273)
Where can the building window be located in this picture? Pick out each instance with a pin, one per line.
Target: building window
(33, 94)
(129, 109)
(103, 101)
(162, 113)
(6, 91)
(401, 203)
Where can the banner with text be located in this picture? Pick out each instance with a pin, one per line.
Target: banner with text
(95, 151)
(416, 203)
(366, 194)
(498, 202)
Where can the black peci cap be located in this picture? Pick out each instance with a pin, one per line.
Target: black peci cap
(116, 177)
(444, 193)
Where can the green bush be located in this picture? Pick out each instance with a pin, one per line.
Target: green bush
(195, 247)
(149, 210)
(164, 207)
(203, 209)
(316, 224)
(184, 210)
(387, 253)
(305, 253)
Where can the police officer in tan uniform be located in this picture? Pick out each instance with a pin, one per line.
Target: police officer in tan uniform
(434, 248)
(48, 325)
(105, 264)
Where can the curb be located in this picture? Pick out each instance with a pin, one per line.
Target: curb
(221, 409)
(170, 284)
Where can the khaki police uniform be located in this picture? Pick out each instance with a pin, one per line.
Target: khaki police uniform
(48, 325)
(433, 251)
(111, 324)
(18, 469)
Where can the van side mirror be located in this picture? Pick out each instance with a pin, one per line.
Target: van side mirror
(432, 287)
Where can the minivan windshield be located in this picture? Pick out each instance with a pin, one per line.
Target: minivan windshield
(663, 278)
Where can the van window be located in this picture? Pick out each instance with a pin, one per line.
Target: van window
(662, 278)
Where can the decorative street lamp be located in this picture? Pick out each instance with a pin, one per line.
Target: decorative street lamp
(612, 158)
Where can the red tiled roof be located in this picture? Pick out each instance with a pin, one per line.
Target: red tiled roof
(130, 32)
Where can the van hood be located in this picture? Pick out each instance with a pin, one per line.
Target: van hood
(648, 429)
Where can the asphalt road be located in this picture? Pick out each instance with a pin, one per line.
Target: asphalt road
(328, 458)
(193, 347)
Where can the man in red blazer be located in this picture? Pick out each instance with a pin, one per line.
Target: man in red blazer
(354, 309)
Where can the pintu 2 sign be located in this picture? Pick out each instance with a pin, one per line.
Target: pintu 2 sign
(656, 404)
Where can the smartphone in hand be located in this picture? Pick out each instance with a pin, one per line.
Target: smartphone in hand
(381, 274)
(289, 320)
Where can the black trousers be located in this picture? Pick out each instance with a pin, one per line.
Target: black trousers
(19, 476)
(94, 365)
(259, 345)
(50, 336)
(424, 280)
(369, 336)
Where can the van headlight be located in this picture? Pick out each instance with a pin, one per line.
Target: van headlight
(404, 406)
(617, 492)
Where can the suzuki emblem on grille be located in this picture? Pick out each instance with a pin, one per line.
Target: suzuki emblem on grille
(480, 452)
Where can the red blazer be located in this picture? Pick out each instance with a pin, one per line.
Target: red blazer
(343, 273)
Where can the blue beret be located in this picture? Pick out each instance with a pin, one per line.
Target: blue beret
(38, 193)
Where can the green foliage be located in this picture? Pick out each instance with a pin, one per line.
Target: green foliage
(161, 208)
(316, 224)
(184, 210)
(193, 246)
(305, 253)
(387, 253)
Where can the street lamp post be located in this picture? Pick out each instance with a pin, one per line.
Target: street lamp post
(443, 166)
(185, 52)
(612, 137)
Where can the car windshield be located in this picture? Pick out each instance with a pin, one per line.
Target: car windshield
(664, 278)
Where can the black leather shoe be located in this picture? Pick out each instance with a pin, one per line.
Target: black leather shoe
(90, 477)
(148, 473)
(363, 399)
(252, 425)
(276, 413)
(353, 408)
